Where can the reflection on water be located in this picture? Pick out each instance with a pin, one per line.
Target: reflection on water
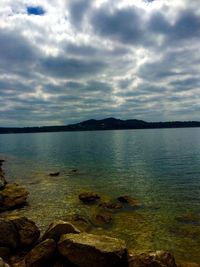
(161, 168)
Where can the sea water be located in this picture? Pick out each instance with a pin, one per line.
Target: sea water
(158, 167)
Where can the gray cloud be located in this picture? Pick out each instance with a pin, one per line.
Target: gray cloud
(82, 59)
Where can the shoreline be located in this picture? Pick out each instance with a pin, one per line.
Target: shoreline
(92, 196)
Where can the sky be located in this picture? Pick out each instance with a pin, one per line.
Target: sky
(65, 61)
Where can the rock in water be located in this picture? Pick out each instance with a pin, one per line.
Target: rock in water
(54, 174)
(88, 250)
(8, 234)
(41, 254)
(58, 228)
(129, 200)
(12, 196)
(152, 259)
(28, 232)
(89, 197)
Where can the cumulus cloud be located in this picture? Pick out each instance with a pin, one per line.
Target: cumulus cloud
(66, 61)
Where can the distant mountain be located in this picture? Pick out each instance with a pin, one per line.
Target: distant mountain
(105, 124)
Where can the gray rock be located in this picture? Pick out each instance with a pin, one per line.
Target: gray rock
(88, 250)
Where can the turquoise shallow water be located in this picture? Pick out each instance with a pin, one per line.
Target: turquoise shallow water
(161, 168)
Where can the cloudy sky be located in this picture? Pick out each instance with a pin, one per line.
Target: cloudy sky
(64, 61)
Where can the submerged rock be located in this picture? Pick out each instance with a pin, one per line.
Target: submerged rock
(54, 174)
(89, 197)
(58, 228)
(81, 222)
(41, 254)
(103, 219)
(8, 234)
(152, 259)
(110, 206)
(129, 200)
(88, 250)
(12, 196)
(28, 232)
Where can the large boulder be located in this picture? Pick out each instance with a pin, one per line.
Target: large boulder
(58, 228)
(27, 230)
(88, 250)
(42, 254)
(8, 234)
(12, 196)
(152, 259)
(89, 197)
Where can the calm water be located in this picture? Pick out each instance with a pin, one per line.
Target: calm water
(161, 168)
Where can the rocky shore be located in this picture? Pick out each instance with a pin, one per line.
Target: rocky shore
(67, 243)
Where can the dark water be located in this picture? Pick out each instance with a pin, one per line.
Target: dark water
(161, 168)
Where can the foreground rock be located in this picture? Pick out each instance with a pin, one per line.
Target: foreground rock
(129, 200)
(8, 234)
(88, 250)
(89, 197)
(152, 259)
(58, 228)
(12, 196)
(28, 232)
(42, 254)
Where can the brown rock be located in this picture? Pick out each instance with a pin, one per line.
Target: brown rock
(27, 230)
(41, 254)
(110, 206)
(58, 228)
(12, 196)
(152, 259)
(129, 200)
(81, 222)
(8, 234)
(88, 250)
(89, 197)
(103, 218)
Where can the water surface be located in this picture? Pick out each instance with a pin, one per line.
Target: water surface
(159, 167)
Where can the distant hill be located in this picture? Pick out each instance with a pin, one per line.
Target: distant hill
(105, 124)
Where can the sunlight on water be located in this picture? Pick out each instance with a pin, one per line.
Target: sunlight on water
(160, 168)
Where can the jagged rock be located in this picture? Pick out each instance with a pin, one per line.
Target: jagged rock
(89, 197)
(27, 230)
(8, 234)
(110, 206)
(3, 264)
(54, 174)
(58, 228)
(41, 254)
(12, 196)
(129, 200)
(152, 259)
(88, 250)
